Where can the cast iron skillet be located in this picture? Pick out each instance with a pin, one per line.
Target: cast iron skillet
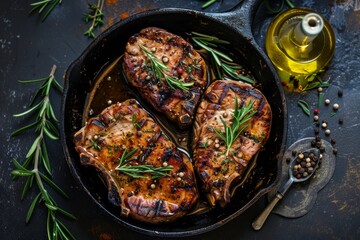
(233, 26)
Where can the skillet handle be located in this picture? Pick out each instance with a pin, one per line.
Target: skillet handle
(240, 17)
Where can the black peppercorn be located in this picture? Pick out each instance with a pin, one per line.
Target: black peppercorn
(341, 121)
(334, 151)
(313, 143)
(333, 140)
(294, 153)
(288, 160)
(318, 139)
(340, 93)
(316, 131)
(322, 149)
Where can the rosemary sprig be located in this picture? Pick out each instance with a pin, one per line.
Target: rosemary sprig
(45, 7)
(45, 125)
(96, 16)
(240, 117)
(140, 171)
(304, 106)
(223, 63)
(160, 71)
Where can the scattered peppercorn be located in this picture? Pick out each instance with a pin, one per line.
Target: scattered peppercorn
(294, 153)
(340, 93)
(336, 106)
(341, 120)
(320, 89)
(323, 125)
(327, 131)
(333, 140)
(313, 143)
(334, 151)
(322, 149)
(327, 101)
(288, 160)
(316, 111)
(316, 118)
(316, 131)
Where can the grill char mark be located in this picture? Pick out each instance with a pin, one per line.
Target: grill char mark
(178, 105)
(120, 130)
(217, 172)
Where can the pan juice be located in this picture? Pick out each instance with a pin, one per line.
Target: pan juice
(300, 43)
(111, 86)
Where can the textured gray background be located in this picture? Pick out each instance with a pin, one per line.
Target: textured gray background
(28, 48)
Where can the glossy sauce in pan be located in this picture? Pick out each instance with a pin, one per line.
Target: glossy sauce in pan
(110, 86)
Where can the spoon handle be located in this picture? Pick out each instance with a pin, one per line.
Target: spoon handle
(260, 220)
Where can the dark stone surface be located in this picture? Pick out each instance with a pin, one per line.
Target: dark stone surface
(28, 48)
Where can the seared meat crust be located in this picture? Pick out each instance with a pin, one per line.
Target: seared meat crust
(125, 126)
(218, 172)
(183, 63)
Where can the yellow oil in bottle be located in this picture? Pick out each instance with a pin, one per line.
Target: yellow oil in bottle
(299, 43)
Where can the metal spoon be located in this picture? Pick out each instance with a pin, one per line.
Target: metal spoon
(260, 220)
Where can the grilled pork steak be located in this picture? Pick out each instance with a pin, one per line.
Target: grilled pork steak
(165, 91)
(125, 132)
(218, 172)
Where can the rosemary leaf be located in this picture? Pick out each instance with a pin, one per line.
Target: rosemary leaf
(320, 99)
(33, 147)
(23, 129)
(52, 184)
(64, 228)
(28, 111)
(304, 106)
(32, 207)
(65, 213)
(27, 186)
(21, 173)
(208, 3)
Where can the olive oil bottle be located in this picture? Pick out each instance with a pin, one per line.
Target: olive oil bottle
(300, 43)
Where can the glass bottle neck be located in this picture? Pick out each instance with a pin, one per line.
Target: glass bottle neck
(308, 29)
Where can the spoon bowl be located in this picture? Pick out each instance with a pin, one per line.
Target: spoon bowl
(301, 168)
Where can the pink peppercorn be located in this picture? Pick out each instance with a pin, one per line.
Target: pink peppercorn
(316, 111)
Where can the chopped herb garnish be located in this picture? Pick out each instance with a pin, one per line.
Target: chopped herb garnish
(160, 71)
(304, 106)
(135, 124)
(204, 144)
(140, 171)
(240, 117)
(94, 144)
